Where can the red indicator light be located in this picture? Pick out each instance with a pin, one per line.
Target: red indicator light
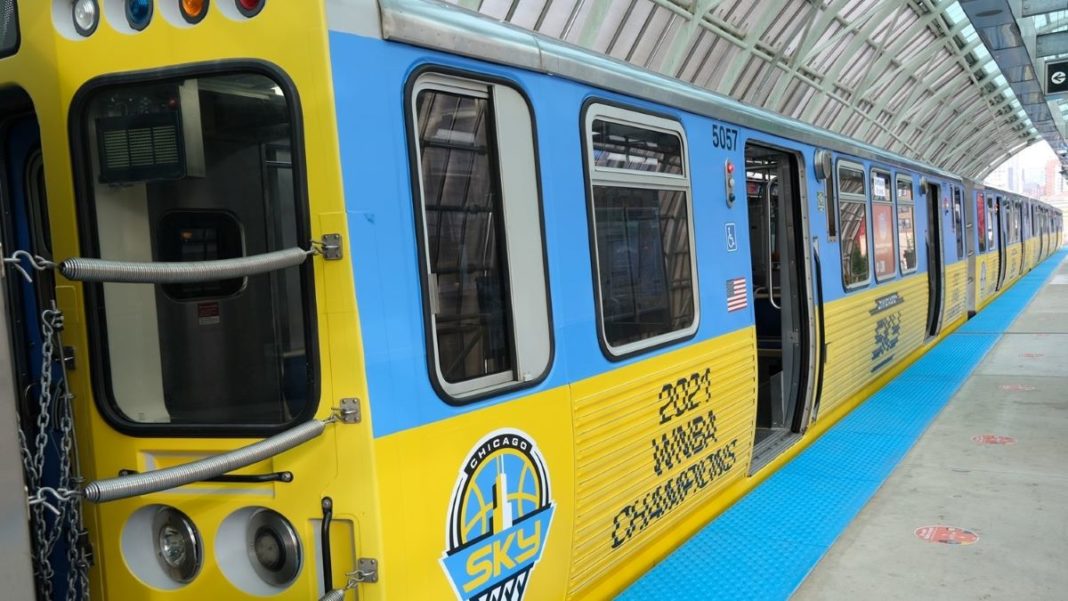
(730, 167)
(250, 8)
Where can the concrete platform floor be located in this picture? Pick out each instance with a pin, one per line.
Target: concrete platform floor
(1013, 496)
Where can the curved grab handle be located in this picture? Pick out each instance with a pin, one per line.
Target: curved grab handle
(104, 270)
(124, 487)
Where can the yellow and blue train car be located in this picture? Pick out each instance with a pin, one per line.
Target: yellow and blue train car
(391, 299)
(1011, 235)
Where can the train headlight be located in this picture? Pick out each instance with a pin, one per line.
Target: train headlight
(273, 548)
(250, 8)
(193, 11)
(138, 13)
(86, 16)
(178, 546)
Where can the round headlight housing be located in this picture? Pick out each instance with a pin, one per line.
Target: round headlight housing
(86, 16)
(273, 548)
(178, 546)
(250, 8)
(193, 11)
(138, 13)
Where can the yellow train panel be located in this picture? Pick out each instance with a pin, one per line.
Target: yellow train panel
(868, 332)
(955, 307)
(1014, 254)
(986, 282)
(418, 472)
(654, 442)
(51, 69)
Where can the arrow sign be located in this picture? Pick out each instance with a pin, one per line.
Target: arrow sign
(1056, 77)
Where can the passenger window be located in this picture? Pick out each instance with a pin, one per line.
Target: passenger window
(906, 225)
(958, 220)
(991, 216)
(882, 218)
(196, 169)
(1017, 222)
(480, 235)
(980, 221)
(643, 235)
(853, 222)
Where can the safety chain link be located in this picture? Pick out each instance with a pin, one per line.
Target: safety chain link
(55, 413)
(37, 263)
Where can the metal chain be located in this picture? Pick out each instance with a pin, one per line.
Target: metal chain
(37, 263)
(54, 406)
(70, 479)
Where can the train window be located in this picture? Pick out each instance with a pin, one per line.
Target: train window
(882, 219)
(1017, 221)
(9, 28)
(199, 236)
(643, 235)
(991, 217)
(1007, 215)
(906, 225)
(980, 220)
(485, 290)
(853, 222)
(958, 219)
(195, 169)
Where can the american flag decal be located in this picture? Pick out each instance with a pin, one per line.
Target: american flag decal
(737, 295)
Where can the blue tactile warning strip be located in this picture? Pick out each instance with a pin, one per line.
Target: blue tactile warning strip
(765, 545)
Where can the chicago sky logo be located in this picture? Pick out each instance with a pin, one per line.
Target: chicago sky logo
(499, 518)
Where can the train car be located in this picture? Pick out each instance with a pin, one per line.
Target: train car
(1009, 235)
(391, 299)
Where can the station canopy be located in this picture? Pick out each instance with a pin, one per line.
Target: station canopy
(911, 76)
(1029, 38)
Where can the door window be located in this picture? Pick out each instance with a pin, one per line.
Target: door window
(194, 169)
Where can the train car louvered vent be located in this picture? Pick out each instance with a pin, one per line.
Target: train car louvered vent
(9, 27)
(140, 148)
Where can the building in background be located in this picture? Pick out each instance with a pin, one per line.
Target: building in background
(1036, 172)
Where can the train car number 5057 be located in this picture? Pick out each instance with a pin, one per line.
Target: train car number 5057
(724, 137)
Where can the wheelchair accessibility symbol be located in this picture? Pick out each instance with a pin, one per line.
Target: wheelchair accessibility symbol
(732, 238)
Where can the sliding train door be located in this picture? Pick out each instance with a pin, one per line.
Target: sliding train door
(935, 260)
(784, 306)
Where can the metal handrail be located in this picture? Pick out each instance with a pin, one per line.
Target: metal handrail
(771, 275)
(104, 270)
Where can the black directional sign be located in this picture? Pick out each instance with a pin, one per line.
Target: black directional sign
(1056, 77)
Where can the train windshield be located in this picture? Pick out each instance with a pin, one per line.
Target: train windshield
(190, 170)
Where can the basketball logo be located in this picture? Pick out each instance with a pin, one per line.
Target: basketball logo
(499, 518)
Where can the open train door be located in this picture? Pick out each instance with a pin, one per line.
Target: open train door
(784, 306)
(33, 383)
(935, 259)
(16, 564)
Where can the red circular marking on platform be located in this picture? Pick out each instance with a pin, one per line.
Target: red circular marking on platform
(947, 535)
(993, 439)
(1032, 355)
(1017, 387)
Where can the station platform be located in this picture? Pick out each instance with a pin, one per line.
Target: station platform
(948, 483)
